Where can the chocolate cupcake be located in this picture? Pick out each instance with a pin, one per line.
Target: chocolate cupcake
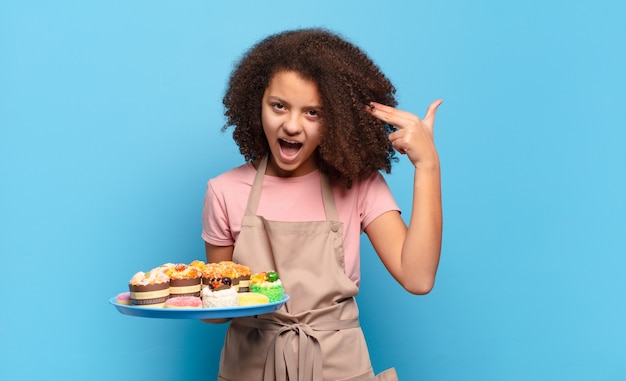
(149, 289)
(240, 275)
(185, 280)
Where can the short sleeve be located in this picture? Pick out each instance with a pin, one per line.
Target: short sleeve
(375, 199)
(215, 224)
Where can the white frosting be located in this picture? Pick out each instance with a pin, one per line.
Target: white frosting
(222, 298)
(269, 284)
(151, 277)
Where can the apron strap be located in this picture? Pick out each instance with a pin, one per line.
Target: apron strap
(329, 199)
(257, 185)
(255, 194)
(281, 364)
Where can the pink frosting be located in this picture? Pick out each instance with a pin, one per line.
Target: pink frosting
(184, 301)
(123, 296)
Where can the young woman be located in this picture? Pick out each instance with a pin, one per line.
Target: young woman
(316, 122)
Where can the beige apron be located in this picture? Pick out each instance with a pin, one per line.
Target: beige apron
(316, 335)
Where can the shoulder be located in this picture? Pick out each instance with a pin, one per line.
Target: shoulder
(370, 197)
(242, 175)
(374, 183)
(370, 192)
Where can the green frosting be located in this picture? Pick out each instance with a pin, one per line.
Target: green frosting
(274, 293)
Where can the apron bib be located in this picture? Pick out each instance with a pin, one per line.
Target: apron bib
(316, 335)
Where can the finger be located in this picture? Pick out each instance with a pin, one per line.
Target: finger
(431, 112)
(391, 115)
(382, 109)
(395, 142)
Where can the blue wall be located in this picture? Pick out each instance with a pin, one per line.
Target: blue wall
(110, 116)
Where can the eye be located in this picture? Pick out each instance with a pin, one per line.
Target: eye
(313, 113)
(278, 106)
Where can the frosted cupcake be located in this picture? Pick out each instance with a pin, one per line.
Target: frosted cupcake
(185, 280)
(150, 289)
(219, 293)
(267, 283)
(212, 274)
(241, 275)
(219, 298)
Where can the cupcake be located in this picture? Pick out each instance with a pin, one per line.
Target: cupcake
(241, 273)
(185, 280)
(218, 290)
(150, 289)
(227, 270)
(212, 273)
(267, 283)
(226, 297)
(238, 274)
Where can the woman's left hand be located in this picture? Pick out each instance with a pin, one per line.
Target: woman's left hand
(414, 137)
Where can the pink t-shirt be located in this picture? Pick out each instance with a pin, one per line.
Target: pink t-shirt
(293, 199)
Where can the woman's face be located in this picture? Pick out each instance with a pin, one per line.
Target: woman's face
(291, 117)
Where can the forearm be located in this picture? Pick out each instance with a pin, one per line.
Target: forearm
(422, 245)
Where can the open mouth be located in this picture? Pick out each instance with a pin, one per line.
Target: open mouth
(289, 148)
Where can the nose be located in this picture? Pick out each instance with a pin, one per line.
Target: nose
(292, 125)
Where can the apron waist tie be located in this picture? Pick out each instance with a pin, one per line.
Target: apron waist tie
(280, 364)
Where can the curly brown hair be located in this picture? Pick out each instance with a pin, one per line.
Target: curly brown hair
(353, 144)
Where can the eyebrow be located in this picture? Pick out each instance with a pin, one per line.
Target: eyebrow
(274, 98)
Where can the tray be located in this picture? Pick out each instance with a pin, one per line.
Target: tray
(198, 313)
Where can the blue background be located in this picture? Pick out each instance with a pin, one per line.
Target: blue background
(110, 116)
